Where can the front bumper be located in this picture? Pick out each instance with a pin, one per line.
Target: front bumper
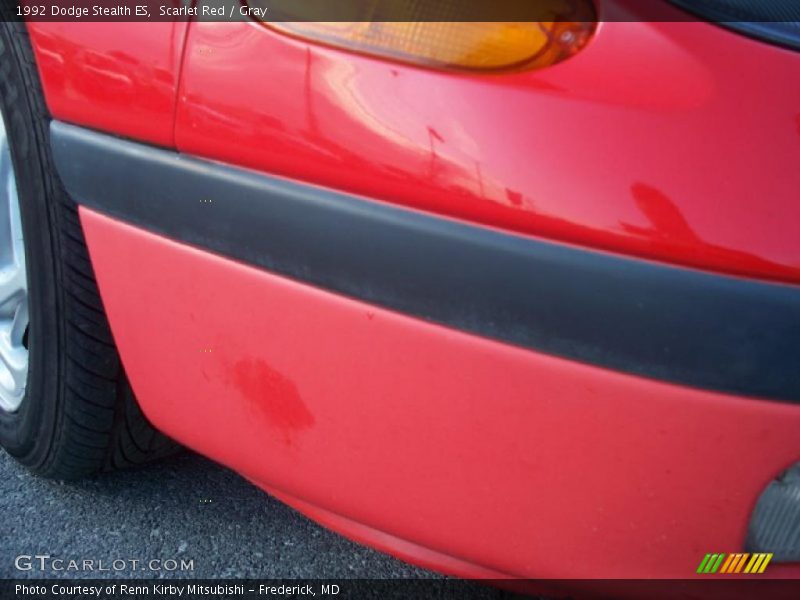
(498, 405)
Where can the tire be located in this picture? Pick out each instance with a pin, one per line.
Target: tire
(78, 415)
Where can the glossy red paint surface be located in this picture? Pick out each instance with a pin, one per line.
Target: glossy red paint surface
(410, 435)
(675, 141)
(117, 77)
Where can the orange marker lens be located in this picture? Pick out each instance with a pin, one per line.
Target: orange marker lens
(463, 45)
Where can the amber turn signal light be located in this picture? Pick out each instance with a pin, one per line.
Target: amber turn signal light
(479, 46)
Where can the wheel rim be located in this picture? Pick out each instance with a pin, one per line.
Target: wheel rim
(13, 287)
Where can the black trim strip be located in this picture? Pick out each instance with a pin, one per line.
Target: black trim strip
(673, 324)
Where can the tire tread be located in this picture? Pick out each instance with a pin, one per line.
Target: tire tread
(100, 426)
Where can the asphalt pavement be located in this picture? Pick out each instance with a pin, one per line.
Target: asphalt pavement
(183, 508)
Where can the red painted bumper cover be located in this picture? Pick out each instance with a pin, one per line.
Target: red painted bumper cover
(496, 456)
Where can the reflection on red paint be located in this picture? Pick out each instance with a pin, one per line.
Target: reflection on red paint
(667, 224)
(272, 395)
(120, 77)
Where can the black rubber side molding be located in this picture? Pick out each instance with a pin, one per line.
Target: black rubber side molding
(673, 324)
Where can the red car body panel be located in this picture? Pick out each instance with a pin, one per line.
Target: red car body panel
(119, 77)
(445, 448)
(656, 152)
(685, 124)
(498, 457)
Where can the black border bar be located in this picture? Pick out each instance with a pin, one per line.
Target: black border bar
(724, 11)
(674, 324)
(113, 587)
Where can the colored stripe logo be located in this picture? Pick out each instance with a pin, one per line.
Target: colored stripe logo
(734, 563)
